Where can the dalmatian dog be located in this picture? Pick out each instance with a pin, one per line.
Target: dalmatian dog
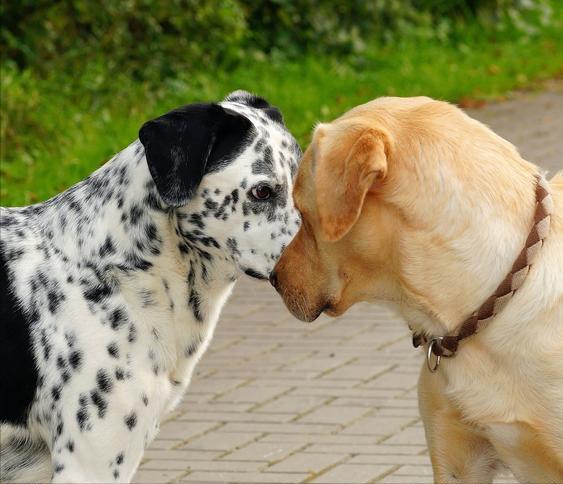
(111, 290)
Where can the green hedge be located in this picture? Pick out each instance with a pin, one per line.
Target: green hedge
(150, 39)
(139, 36)
(79, 77)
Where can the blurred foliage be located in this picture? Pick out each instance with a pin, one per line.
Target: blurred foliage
(78, 77)
(154, 39)
(142, 37)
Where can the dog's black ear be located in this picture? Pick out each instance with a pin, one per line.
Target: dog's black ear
(245, 97)
(185, 144)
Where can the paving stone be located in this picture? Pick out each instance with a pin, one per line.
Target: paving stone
(321, 364)
(253, 394)
(334, 415)
(306, 383)
(327, 389)
(372, 401)
(214, 385)
(409, 436)
(211, 465)
(377, 458)
(244, 477)
(164, 444)
(290, 404)
(378, 426)
(354, 371)
(287, 428)
(323, 439)
(400, 479)
(411, 470)
(393, 380)
(263, 451)
(371, 454)
(214, 407)
(233, 417)
(180, 454)
(185, 430)
(228, 466)
(148, 477)
(347, 473)
(399, 402)
(395, 412)
(221, 441)
(311, 463)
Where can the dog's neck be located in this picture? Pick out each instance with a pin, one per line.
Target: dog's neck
(471, 245)
(116, 222)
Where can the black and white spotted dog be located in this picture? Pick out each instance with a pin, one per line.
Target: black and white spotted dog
(112, 289)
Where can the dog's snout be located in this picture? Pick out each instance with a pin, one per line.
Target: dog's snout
(274, 279)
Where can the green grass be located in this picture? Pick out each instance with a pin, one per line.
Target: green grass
(58, 130)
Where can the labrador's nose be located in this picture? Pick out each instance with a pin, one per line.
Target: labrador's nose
(274, 279)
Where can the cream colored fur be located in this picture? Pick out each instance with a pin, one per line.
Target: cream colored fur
(440, 222)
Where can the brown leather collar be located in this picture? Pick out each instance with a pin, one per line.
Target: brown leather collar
(447, 345)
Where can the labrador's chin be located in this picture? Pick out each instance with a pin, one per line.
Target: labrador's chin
(305, 314)
(332, 312)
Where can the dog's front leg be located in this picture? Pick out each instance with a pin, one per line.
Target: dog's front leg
(108, 455)
(459, 454)
(103, 446)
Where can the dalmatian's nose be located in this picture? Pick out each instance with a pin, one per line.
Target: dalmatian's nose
(274, 279)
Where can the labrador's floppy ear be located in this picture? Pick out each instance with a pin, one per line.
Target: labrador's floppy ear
(186, 143)
(346, 166)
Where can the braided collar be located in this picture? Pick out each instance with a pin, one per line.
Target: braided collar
(446, 346)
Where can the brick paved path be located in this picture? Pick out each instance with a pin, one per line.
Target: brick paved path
(277, 400)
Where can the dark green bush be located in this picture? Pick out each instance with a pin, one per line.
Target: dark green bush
(78, 77)
(143, 37)
(152, 40)
(288, 27)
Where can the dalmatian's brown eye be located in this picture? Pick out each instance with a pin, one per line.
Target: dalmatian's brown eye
(261, 192)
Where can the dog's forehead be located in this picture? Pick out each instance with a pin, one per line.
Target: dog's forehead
(256, 116)
(273, 144)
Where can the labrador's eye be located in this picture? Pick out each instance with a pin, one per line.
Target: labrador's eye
(261, 192)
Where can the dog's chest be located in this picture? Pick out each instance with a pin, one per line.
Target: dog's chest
(175, 335)
(510, 399)
(102, 343)
(487, 390)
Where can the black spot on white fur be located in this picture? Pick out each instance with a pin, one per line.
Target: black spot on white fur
(131, 420)
(19, 373)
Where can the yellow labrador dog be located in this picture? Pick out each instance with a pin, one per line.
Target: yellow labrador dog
(411, 202)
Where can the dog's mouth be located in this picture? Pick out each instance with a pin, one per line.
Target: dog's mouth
(331, 309)
(307, 314)
(255, 274)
